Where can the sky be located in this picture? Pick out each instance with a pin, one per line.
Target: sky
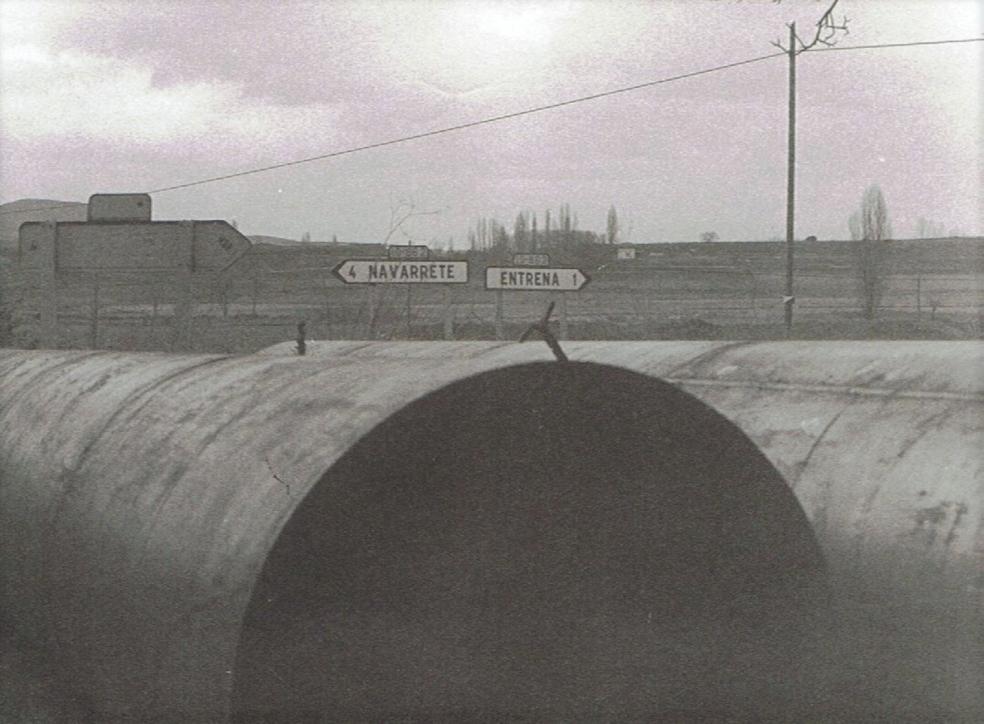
(123, 96)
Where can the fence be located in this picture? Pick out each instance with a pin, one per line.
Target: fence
(242, 312)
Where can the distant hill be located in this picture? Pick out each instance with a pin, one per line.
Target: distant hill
(264, 242)
(275, 240)
(15, 213)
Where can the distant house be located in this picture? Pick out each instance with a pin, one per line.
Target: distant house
(625, 253)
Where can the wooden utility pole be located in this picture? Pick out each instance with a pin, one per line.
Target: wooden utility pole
(791, 181)
(826, 30)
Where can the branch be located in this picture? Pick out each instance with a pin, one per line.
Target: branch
(398, 217)
(827, 29)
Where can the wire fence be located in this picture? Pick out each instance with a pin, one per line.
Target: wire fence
(245, 312)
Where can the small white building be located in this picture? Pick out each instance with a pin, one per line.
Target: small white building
(625, 253)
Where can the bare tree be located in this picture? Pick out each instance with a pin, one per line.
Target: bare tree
(401, 212)
(854, 226)
(566, 225)
(929, 229)
(708, 236)
(612, 227)
(870, 229)
(520, 231)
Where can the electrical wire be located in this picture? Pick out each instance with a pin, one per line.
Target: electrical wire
(895, 45)
(508, 116)
(470, 124)
(439, 131)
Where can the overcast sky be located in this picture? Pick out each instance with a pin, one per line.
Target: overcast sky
(137, 95)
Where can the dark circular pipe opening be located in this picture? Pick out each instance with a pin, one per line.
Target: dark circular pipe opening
(542, 541)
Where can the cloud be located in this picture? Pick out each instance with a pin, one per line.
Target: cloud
(76, 95)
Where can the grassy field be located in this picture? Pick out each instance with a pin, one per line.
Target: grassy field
(933, 289)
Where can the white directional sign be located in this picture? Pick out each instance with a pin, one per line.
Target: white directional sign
(383, 271)
(534, 279)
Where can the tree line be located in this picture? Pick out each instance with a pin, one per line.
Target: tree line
(528, 235)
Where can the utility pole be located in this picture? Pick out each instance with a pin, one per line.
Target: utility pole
(827, 29)
(791, 182)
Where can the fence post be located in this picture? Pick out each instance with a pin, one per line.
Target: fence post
(184, 309)
(327, 309)
(48, 287)
(94, 332)
(752, 295)
(919, 296)
(499, 331)
(372, 301)
(156, 301)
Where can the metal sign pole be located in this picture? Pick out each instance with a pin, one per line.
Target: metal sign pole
(448, 314)
(499, 332)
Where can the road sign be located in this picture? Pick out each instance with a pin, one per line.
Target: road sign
(531, 259)
(383, 271)
(133, 245)
(557, 279)
(411, 251)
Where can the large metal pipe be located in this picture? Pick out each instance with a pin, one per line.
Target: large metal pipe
(431, 529)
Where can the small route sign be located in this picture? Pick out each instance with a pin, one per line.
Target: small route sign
(384, 271)
(411, 251)
(557, 279)
(531, 259)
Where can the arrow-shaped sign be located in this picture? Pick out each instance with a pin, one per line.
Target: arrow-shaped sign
(557, 279)
(384, 271)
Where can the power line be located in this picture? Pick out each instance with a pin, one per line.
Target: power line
(437, 131)
(514, 114)
(470, 124)
(894, 45)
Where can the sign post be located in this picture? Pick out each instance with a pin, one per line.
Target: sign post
(184, 310)
(500, 333)
(448, 314)
(534, 279)
(563, 315)
(400, 271)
